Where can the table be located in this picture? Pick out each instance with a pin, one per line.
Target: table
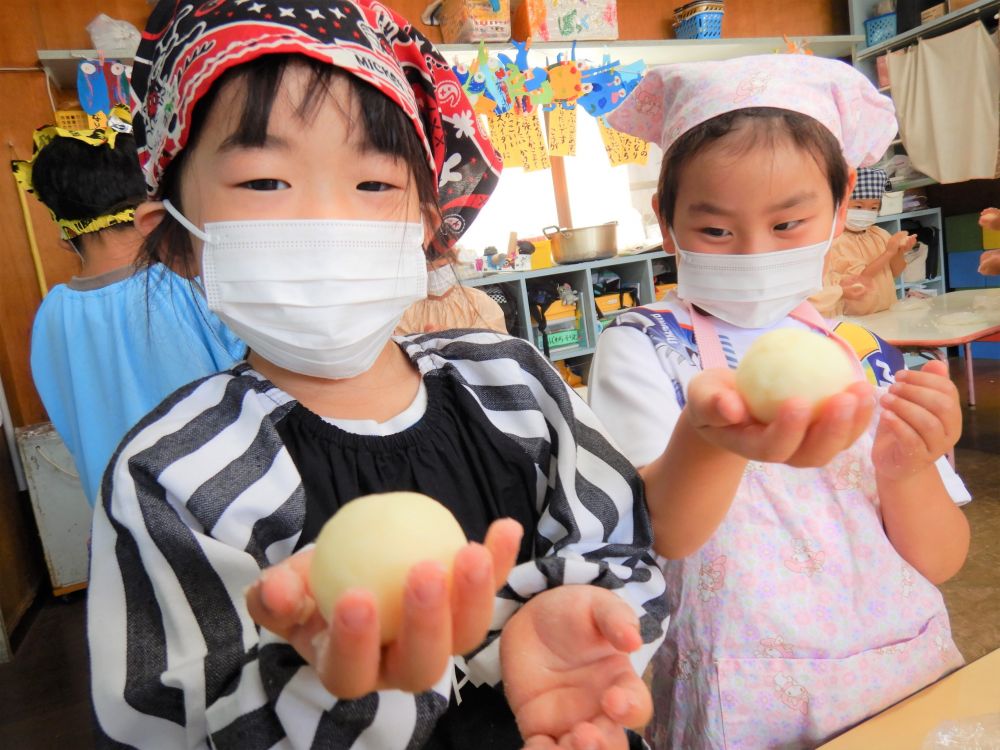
(952, 319)
(972, 691)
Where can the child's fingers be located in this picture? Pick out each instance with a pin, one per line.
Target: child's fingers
(348, 652)
(832, 432)
(934, 374)
(616, 621)
(628, 702)
(540, 742)
(503, 541)
(418, 657)
(909, 445)
(714, 401)
(925, 425)
(782, 437)
(942, 406)
(280, 600)
(600, 734)
(472, 595)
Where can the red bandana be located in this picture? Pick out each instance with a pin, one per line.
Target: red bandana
(189, 44)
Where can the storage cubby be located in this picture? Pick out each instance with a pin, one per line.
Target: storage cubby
(633, 270)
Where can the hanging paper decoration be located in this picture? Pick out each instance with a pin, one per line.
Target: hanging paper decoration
(100, 86)
(92, 87)
(562, 131)
(511, 92)
(622, 148)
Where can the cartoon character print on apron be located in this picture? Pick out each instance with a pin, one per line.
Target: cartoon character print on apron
(798, 618)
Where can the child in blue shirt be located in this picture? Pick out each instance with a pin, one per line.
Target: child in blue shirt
(113, 342)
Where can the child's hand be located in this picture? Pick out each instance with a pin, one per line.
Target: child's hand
(346, 652)
(721, 416)
(901, 242)
(920, 422)
(990, 219)
(566, 672)
(989, 263)
(855, 287)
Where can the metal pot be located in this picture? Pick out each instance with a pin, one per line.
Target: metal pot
(583, 244)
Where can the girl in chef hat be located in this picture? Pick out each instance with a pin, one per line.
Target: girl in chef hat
(307, 160)
(813, 604)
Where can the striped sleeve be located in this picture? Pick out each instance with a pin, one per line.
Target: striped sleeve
(593, 525)
(202, 496)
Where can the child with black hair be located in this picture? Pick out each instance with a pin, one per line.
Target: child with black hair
(307, 160)
(812, 606)
(116, 340)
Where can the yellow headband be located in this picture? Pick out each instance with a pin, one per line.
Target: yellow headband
(119, 121)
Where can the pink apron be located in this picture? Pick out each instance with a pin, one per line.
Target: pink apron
(798, 618)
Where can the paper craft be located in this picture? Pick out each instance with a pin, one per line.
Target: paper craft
(622, 148)
(562, 131)
(92, 87)
(510, 91)
(534, 155)
(504, 136)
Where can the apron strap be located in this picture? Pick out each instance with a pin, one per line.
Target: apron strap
(707, 340)
(710, 348)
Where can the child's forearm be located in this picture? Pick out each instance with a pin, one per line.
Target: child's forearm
(689, 489)
(873, 268)
(924, 524)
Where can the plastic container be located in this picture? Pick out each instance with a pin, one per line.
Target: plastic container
(474, 21)
(880, 28)
(699, 21)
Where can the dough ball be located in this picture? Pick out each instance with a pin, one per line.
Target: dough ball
(792, 362)
(372, 542)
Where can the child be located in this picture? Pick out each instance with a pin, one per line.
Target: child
(812, 606)
(450, 305)
(115, 341)
(865, 260)
(304, 157)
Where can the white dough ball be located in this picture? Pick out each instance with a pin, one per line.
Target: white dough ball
(788, 363)
(372, 542)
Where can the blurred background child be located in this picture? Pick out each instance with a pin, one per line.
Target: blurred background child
(449, 305)
(865, 260)
(116, 340)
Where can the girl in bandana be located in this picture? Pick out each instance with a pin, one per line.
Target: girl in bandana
(812, 606)
(308, 160)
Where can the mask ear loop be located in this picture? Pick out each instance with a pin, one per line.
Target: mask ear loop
(184, 221)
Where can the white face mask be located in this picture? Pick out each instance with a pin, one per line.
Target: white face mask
(859, 219)
(754, 290)
(440, 280)
(317, 297)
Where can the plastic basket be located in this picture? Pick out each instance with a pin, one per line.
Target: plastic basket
(880, 28)
(698, 21)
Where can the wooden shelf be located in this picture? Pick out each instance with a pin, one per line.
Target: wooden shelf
(662, 51)
(61, 64)
(945, 23)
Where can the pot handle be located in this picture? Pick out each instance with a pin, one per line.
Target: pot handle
(553, 230)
